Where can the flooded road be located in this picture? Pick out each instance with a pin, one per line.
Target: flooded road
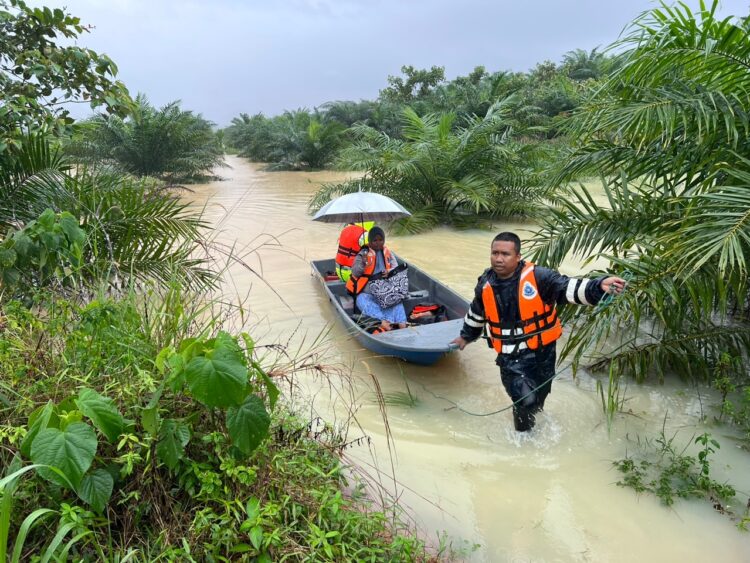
(545, 496)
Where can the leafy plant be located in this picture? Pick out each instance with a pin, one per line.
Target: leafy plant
(218, 374)
(667, 133)
(133, 228)
(294, 140)
(480, 170)
(64, 447)
(47, 251)
(674, 474)
(168, 143)
(38, 74)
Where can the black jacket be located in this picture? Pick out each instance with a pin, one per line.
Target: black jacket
(554, 288)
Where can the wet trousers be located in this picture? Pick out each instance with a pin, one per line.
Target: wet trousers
(525, 371)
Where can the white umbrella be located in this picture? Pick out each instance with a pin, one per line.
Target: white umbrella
(361, 206)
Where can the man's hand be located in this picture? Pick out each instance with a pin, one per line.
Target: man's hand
(613, 285)
(460, 342)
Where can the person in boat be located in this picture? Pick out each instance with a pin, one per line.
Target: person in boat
(373, 260)
(351, 240)
(516, 301)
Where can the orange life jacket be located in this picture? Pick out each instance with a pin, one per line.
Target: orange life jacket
(538, 324)
(356, 285)
(350, 243)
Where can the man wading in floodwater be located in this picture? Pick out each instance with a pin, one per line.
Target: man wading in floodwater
(516, 300)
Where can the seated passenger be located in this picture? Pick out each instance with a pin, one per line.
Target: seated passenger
(351, 240)
(372, 260)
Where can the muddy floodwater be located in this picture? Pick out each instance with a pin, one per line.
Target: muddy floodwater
(549, 495)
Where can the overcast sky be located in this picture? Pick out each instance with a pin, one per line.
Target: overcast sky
(226, 57)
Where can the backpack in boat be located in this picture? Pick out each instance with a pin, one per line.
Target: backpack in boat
(427, 313)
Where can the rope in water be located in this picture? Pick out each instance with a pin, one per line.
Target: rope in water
(605, 301)
(458, 407)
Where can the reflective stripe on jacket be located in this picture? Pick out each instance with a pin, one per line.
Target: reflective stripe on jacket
(538, 325)
(351, 239)
(356, 285)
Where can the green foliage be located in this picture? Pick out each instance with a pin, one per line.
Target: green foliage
(447, 176)
(295, 140)
(167, 143)
(416, 85)
(133, 228)
(181, 479)
(584, 65)
(37, 74)
(218, 373)
(668, 134)
(46, 252)
(669, 474)
(217, 376)
(173, 437)
(289, 142)
(8, 485)
(70, 449)
(731, 380)
(102, 412)
(248, 424)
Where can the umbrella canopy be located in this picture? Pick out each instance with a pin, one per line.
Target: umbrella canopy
(361, 206)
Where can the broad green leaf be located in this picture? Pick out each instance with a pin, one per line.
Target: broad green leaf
(71, 450)
(162, 357)
(96, 489)
(39, 420)
(253, 508)
(219, 378)
(150, 420)
(102, 413)
(173, 437)
(256, 536)
(69, 225)
(248, 424)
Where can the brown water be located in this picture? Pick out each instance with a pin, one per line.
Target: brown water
(549, 495)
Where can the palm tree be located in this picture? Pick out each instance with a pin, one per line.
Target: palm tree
(446, 173)
(167, 143)
(301, 140)
(580, 64)
(133, 228)
(668, 132)
(293, 141)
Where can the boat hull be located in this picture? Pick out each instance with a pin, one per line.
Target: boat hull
(419, 344)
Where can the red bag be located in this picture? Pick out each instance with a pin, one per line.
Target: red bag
(427, 313)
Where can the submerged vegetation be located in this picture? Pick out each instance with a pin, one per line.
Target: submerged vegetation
(669, 474)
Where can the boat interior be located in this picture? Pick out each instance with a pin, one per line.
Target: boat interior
(422, 289)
